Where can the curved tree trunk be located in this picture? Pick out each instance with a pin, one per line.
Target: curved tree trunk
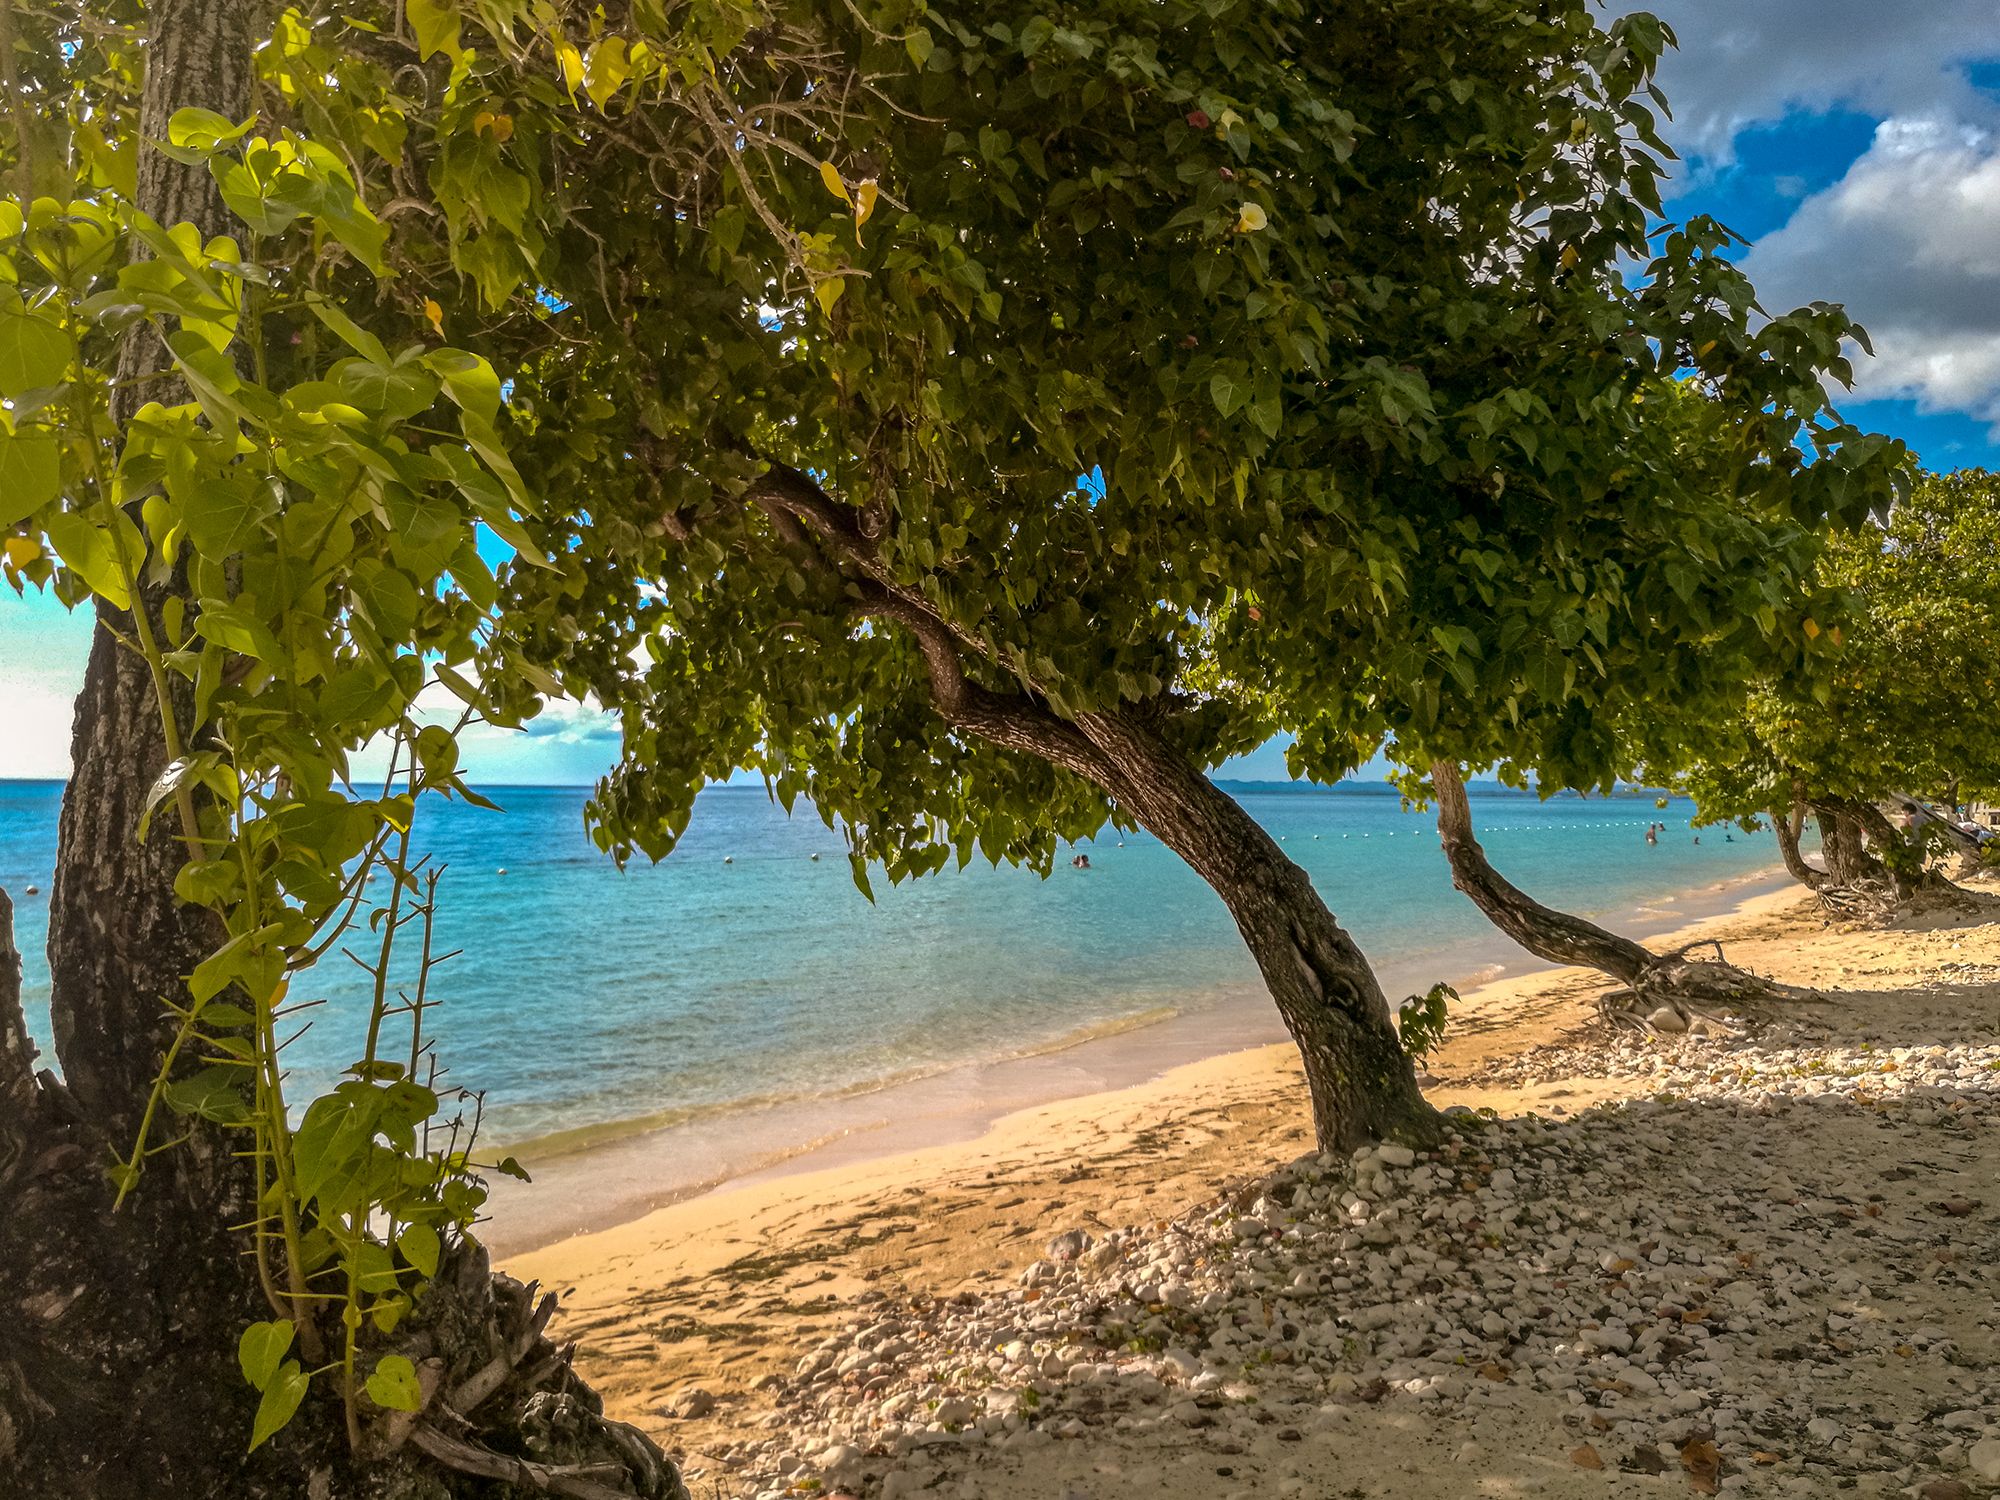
(1652, 980)
(118, 1331)
(1787, 826)
(1363, 1084)
(1554, 935)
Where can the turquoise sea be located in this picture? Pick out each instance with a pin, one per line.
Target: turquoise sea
(697, 989)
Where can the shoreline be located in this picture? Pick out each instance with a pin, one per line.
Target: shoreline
(720, 1324)
(616, 1174)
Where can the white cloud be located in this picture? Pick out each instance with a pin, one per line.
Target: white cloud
(1744, 61)
(1909, 240)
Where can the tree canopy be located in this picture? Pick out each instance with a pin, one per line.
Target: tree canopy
(979, 422)
(1910, 650)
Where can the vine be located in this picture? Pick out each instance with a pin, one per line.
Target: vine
(304, 556)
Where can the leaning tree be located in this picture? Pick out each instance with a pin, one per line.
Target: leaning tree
(1913, 638)
(1106, 390)
(1710, 586)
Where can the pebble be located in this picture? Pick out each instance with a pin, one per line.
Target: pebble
(1985, 1459)
(1672, 1269)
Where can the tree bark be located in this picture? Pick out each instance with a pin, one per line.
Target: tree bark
(126, 1381)
(1652, 980)
(1554, 935)
(1787, 825)
(1848, 861)
(1363, 1084)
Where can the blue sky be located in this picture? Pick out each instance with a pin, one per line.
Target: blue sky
(1855, 142)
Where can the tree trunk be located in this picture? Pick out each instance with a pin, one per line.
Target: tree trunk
(1651, 980)
(118, 1332)
(1787, 825)
(1363, 1084)
(1848, 861)
(127, 1384)
(1556, 936)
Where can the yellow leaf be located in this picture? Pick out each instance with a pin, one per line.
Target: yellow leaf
(1811, 628)
(864, 204)
(22, 550)
(1251, 218)
(1835, 636)
(1568, 256)
(570, 62)
(828, 292)
(435, 315)
(830, 175)
(606, 70)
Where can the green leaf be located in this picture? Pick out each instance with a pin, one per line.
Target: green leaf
(469, 380)
(281, 1399)
(30, 474)
(33, 353)
(204, 131)
(435, 23)
(463, 689)
(215, 1093)
(1228, 390)
(260, 1348)
(420, 1247)
(92, 553)
(605, 70)
(393, 1385)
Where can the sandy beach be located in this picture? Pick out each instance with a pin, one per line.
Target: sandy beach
(604, 1176)
(690, 1315)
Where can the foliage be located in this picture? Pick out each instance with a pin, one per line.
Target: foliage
(297, 549)
(1219, 367)
(1913, 657)
(1420, 1020)
(1712, 583)
(1376, 434)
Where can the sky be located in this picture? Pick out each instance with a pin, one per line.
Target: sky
(1855, 143)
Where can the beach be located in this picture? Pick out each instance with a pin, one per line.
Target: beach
(724, 1294)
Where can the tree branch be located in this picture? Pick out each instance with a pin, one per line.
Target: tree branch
(804, 515)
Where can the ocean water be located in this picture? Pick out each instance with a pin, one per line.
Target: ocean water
(582, 996)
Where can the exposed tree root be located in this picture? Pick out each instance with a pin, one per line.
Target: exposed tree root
(1677, 994)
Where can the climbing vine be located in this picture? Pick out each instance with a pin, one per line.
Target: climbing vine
(303, 556)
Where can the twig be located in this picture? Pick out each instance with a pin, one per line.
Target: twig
(577, 1481)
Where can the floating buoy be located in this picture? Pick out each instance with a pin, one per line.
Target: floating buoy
(729, 859)
(1315, 836)
(34, 890)
(501, 871)
(815, 855)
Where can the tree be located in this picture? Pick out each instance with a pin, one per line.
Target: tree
(1327, 309)
(1711, 587)
(1912, 647)
(276, 535)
